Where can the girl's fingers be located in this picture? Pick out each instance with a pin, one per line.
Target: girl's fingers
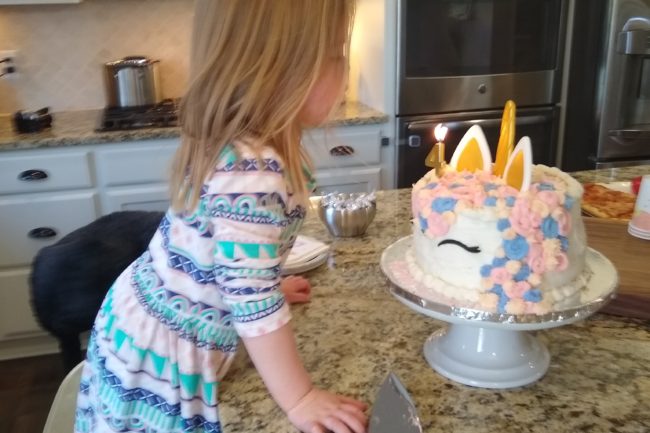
(336, 425)
(354, 410)
(356, 422)
(361, 405)
(317, 428)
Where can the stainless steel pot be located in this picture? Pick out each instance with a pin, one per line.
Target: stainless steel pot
(132, 82)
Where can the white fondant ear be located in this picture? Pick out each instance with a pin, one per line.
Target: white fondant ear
(473, 152)
(519, 169)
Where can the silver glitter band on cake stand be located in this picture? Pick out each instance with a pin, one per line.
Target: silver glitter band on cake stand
(488, 349)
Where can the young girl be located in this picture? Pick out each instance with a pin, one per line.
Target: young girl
(168, 329)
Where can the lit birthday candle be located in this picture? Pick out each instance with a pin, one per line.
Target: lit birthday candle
(436, 157)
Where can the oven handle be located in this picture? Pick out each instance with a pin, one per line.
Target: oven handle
(523, 120)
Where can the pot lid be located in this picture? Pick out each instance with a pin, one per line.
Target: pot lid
(132, 61)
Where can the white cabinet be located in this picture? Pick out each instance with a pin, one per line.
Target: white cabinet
(346, 159)
(16, 318)
(32, 221)
(44, 195)
(352, 180)
(147, 197)
(135, 176)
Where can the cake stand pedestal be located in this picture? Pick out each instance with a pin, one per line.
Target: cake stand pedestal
(491, 350)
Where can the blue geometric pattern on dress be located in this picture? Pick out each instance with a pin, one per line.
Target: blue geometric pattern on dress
(256, 207)
(84, 386)
(157, 307)
(196, 423)
(181, 263)
(260, 314)
(252, 164)
(249, 290)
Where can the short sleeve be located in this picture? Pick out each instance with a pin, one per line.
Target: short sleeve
(246, 202)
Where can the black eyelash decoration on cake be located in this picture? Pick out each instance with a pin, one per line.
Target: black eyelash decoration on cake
(460, 244)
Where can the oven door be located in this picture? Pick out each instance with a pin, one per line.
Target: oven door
(458, 55)
(416, 137)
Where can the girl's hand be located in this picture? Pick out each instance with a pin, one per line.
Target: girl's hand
(297, 290)
(321, 411)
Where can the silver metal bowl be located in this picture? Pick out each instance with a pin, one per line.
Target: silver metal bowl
(350, 218)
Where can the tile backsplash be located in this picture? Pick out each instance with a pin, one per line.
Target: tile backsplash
(62, 49)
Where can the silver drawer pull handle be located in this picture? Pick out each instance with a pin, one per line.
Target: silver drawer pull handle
(42, 233)
(31, 175)
(342, 151)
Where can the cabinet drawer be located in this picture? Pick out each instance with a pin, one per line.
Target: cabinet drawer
(343, 147)
(147, 162)
(44, 171)
(356, 180)
(16, 317)
(147, 198)
(32, 222)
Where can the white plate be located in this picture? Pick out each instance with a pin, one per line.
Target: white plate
(642, 234)
(299, 268)
(618, 186)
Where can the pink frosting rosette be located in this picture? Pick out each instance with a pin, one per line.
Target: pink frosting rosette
(437, 224)
(523, 219)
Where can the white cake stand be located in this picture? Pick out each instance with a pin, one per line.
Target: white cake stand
(491, 350)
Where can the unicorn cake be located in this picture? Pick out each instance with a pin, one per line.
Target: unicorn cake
(503, 237)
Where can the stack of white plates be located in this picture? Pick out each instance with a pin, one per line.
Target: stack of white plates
(639, 233)
(306, 254)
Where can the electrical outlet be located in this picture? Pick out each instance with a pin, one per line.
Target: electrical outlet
(8, 67)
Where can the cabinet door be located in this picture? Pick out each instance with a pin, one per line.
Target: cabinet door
(135, 163)
(16, 317)
(147, 198)
(33, 221)
(33, 171)
(344, 147)
(354, 180)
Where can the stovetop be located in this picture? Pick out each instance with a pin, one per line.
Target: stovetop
(164, 114)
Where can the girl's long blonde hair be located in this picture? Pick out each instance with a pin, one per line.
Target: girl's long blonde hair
(253, 65)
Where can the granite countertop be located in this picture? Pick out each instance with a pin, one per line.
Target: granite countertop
(353, 333)
(606, 175)
(73, 128)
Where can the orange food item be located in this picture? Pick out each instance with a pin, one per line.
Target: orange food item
(602, 202)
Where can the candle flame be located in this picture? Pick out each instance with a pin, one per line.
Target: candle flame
(440, 132)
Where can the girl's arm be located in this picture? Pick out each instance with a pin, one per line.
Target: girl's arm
(310, 409)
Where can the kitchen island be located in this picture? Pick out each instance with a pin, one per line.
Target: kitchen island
(353, 333)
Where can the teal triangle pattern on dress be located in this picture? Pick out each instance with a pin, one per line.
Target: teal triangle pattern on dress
(271, 250)
(158, 362)
(208, 392)
(119, 338)
(189, 383)
(174, 376)
(228, 155)
(138, 351)
(227, 248)
(251, 251)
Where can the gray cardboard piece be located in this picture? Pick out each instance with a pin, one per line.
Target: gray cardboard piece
(394, 411)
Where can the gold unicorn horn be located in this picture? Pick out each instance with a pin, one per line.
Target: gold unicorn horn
(506, 139)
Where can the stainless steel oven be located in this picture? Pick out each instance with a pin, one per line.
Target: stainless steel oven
(459, 61)
(459, 55)
(416, 136)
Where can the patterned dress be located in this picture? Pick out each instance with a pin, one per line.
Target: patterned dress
(168, 328)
